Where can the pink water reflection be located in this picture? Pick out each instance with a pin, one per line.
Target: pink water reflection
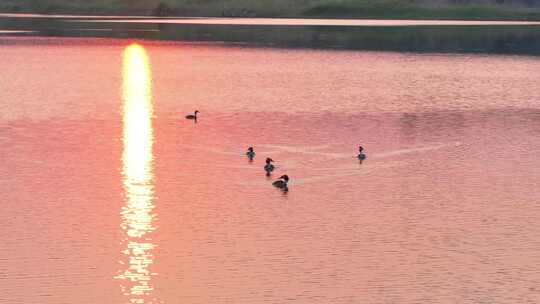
(444, 210)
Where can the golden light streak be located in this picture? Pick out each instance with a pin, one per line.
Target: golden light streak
(138, 176)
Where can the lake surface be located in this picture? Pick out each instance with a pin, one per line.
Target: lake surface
(111, 196)
(425, 36)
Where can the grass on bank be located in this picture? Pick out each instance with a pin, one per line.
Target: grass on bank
(381, 9)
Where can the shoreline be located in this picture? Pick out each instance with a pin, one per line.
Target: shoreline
(265, 21)
(327, 9)
(311, 21)
(307, 21)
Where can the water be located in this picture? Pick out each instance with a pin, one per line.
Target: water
(428, 36)
(110, 196)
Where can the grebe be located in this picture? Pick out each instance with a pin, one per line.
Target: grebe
(268, 167)
(192, 116)
(361, 155)
(281, 183)
(250, 153)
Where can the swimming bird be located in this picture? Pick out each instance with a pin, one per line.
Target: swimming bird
(192, 116)
(250, 153)
(268, 167)
(361, 155)
(281, 183)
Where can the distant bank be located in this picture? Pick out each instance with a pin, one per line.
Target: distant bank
(374, 9)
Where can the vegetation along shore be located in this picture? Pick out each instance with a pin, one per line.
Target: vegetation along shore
(379, 9)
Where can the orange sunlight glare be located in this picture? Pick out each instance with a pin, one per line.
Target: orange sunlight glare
(137, 159)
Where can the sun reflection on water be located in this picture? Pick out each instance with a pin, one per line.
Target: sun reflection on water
(137, 159)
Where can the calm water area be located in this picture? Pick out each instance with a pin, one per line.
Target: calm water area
(111, 196)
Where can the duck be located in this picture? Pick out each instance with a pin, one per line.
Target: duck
(268, 167)
(281, 183)
(192, 116)
(250, 153)
(361, 155)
